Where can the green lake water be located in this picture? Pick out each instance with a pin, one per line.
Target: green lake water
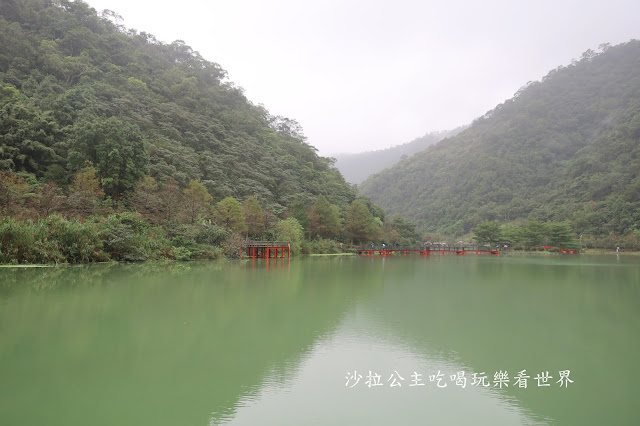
(299, 342)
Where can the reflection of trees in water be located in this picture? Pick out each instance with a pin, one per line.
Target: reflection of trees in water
(72, 276)
(537, 314)
(211, 332)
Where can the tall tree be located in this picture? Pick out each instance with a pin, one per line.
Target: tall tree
(488, 232)
(85, 191)
(561, 235)
(229, 214)
(115, 147)
(360, 224)
(406, 230)
(13, 191)
(254, 217)
(324, 219)
(299, 209)
(196, 202)
(145, 199)
(534, 233)
(49, 199)
(170, 200)
(290, 230)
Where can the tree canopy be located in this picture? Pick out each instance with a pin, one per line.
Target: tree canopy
(566, 148)
(77, 90)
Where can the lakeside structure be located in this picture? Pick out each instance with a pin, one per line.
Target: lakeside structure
(265, 249)
(425, 250)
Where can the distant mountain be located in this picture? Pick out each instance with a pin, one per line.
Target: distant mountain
(565, 148)
(357, 167)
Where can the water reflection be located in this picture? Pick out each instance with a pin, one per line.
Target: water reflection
(315, 391)
(270, 343)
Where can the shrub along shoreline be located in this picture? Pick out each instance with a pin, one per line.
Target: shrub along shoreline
(123, 237)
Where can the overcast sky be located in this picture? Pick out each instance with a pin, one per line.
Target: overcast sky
(360, 75)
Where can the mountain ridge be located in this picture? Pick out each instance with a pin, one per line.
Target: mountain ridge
(64, 69)
(529, 157)
(356, 167)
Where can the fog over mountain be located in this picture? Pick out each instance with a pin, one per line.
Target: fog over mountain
(564, 148)
(357, 167)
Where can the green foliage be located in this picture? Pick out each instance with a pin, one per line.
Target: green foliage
(357, 167)
(232, 246)
(115, 147)
(13, 192)
(534, 234)
(211, 235)
(229, 214)
(488, 232)
(17, 242)
(561, 235)
(254, 217)
(376, 211)
(565, 148)
(359, 224)
(299, 209)
(74, 87)
(196, 202)
(322, 246)
(53, 240)
(28, 134)
(181, 253)
(531, 235)
(324, 219)
(127, 237)
(120, 143)
(290, 230)
(76, 242)
(408, 236)
(85, 192)
(511, 235)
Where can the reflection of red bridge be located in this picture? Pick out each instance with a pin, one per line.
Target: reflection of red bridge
(267, 249)
(424, 250)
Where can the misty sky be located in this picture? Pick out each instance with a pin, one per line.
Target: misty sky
(361, 75)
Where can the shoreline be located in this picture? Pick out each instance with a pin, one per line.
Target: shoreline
(587, 252)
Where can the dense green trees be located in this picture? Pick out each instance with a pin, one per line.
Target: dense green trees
(360, 224)
(254, 217)
(563, 149)
(357, 167)
(290, 230)
(114, 147)
(129, 148)
(324, 219)
(196, 202)
(160, 221)
(75, 89)
(229, 214)
(488, 232)
(85, 192)
(97, 120)
(531, 235)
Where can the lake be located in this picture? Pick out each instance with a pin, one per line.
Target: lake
(324, 340)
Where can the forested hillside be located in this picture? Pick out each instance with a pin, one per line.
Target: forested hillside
(116, 146)
(563, 149)
(76, 88)
(357, 167)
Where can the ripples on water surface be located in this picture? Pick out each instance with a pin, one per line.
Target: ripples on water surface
(245, 344)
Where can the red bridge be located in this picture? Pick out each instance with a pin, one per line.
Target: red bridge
(267, 249)
(424, 250)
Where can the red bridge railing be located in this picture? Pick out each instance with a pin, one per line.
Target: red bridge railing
(267, 249)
